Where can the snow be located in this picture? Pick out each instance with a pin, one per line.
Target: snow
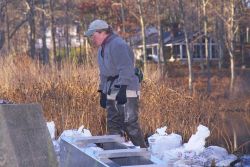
(197, 141)
(161, 141)
(166, 148)
(52, 129)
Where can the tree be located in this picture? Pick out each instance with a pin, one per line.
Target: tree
(142, 23)
(32, 27)
(160, 36)
(45, 54)
(231, 29)
(183, 24)
(206, 45)
(53, 30)
(220, 33)
(2, 19)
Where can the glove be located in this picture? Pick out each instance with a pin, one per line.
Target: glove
(103, 99)
(121, 96)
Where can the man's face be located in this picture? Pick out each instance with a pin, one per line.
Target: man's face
(98, 37)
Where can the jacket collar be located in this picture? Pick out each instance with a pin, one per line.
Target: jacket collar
(108, 39)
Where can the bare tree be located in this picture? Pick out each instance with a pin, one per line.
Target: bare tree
(142, 22)
(53, 31)
(220, 33)
(205, 22)
(160, 35)
(45, 54)
(2, 19)
(231, 29)
(183, 24)
(32, 27)
(67, 20)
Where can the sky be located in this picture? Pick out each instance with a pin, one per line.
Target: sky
(167, 149)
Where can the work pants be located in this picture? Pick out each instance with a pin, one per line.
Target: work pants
(124, 118)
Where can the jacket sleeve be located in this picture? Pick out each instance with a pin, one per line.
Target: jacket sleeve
(102, 78)
(122, 57)
(102, 82)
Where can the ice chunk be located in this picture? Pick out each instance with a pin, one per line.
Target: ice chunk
(214, 153)
(80, 129)
(226, 162)
(217, 154)
(72, 134)
(170, 156)
(197, 141)
(158, 144)
(86, 132)
(52, 129)
(162, 131)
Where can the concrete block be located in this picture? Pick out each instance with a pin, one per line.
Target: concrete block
(24, 137)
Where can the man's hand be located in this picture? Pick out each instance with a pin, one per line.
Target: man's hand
(121, 96)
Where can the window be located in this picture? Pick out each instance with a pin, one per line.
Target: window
(184, 51)
(197, 51)
(176, 51)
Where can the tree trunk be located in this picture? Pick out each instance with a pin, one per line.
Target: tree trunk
(160, 38)
(183, 22)
(206, 46)
(32, 28)
(2, 19)
(80, 60)
(220, 35)
(123, 17)
(45, 53)
(230, 38)
(67, 29)
(7, 26)
(2, 38)
(143, 36)
(199, 18)
(53, 32)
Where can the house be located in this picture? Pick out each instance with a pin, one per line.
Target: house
(151, 45)
(74, 39)
(175, 47)
(242, 41)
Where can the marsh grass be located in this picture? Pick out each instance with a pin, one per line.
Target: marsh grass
(69, 98)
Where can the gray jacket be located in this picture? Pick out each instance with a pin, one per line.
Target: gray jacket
(117, 58)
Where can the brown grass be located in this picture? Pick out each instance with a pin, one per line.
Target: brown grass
(69, 97)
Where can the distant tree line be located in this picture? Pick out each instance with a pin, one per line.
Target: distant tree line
(24, 21)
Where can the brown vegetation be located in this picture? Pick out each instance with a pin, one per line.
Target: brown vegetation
(69, 98)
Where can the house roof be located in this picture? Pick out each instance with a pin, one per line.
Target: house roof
(152, 39)
(194, 36)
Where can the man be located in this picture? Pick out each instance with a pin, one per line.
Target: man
(119, 86)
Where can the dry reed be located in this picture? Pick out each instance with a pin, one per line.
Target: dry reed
(69, 97)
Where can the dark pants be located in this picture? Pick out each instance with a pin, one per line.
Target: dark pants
(124, 118)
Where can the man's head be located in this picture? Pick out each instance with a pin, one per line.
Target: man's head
(98, 30)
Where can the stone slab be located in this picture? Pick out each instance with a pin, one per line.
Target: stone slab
(24, 137)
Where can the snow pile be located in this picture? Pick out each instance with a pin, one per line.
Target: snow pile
(244, 161)
(193, 153)
(80, 132)
(2, 101)
(161, 141)
(70, 134)
(166, 147)
(197, 141)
